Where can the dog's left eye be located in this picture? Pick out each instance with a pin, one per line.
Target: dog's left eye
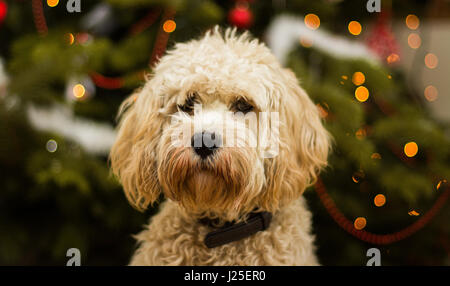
(242, 106)
(186, 108)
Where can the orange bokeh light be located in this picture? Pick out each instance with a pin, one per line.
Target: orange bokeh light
(414, 41)
(362, 93)
(312, 21)
(360, 223)
(438, 186)
(392, 58)
(413, 213)
(411, 149)
(169, 26)
(358, 78)
(431, 93)
(358, 176)
(355, 28)
(431, 61)
(69, 37)
(379, 200)
(78, 91)
(412, 22)
(376, 156)
(361, 133)
(52, 3)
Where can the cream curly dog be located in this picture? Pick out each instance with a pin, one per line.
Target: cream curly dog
(232, 141)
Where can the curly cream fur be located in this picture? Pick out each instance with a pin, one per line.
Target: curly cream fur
(175, 238)
(219, 69)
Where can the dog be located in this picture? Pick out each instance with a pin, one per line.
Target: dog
(226, 204)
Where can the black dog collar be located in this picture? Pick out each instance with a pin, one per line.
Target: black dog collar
(236, 231)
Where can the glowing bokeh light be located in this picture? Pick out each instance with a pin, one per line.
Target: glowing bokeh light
(379, 200)
(312, 21)
(414, 41)
(52, 3)
(411, 149)
(358, 176)
(412, 22)
(438, 186)
(360, 223)
(376, 156)
(358, 78)
(355, 28)
(431, 61)
(79, 90)
(69, 38)
(169, 26)
(362, 93)
(413, 213)
(360, 133)
(82, 38)
(393, 58)
(431, 93)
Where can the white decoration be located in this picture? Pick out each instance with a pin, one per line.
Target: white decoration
(3, 80)
(285, 32)
(96, 138)
(100, 20)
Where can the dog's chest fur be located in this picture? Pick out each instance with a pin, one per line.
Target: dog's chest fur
(173, 238)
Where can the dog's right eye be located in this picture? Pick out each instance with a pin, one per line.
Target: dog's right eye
(188, 106)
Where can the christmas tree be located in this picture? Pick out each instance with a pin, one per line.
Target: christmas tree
(64, 73)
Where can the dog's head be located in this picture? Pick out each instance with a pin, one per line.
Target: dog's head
(221, 128)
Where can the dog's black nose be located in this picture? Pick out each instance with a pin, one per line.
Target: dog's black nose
(205, 143)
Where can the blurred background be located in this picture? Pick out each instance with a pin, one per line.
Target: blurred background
(378, 72)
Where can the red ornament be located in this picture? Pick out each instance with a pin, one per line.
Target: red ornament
(3, 11)
(240, 16)
(382, 40)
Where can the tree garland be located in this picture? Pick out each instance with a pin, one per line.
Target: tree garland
(145, 22)
(39, 17)
(161, 38)
(378, 239)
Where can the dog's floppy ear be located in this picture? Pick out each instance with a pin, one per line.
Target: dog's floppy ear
(133, 155)
(310, 140)
(304, 146)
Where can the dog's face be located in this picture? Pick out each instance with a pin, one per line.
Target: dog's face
(222, 129)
